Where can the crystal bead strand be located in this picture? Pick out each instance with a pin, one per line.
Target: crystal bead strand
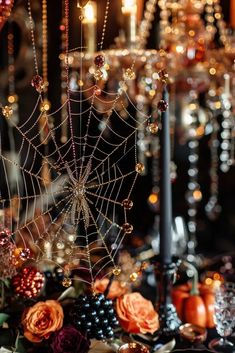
(212, 207)
(63, 81)
(146, 23)
(164, 22)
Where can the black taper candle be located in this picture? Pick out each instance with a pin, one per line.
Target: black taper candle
(165, 269)
(165, 187)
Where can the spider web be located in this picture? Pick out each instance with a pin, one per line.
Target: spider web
(66, 202)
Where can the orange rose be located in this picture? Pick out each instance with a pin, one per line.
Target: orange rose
(42, 319)
(136, 314)
(116, 289)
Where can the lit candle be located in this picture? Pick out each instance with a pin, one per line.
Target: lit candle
(129, 10)
(89, 24)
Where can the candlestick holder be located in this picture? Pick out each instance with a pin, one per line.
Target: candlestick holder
(168, 318)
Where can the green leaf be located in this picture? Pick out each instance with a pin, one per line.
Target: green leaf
(20, 348)
(3, 317)
(7, 337)
(6, 283)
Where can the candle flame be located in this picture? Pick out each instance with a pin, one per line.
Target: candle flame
(129, 6)
(90, 13)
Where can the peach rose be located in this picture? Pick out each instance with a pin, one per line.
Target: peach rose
(40, 320)
(136, 314)
(116, 289)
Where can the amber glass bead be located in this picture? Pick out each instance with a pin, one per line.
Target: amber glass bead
(99, 60)
(117, 271)
(133, 276)
(139, 168)
(45, 106)
(38, 83)
(153, 128)
(127, 204)
(129, 74)
(66, 282)
(127, 228)
(7, 111)
(98, 75)
(162, 105)
(163, 76)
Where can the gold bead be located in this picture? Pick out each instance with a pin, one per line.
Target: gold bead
(117, 271)
(66, 282)
(13, 98)
(98, 74)
(139, 168)
(80, 83)
(163, 76)
(127, 228)
(129, 74)
(143, 266)
(7, 111)
(162, 52)
(153, 128)
(133, 276)
(45, 106)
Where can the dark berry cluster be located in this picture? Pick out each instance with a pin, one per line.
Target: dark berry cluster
(95, 316)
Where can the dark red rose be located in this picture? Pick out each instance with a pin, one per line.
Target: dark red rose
(69, 340)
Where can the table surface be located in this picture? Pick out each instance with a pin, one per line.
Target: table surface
(181, 345)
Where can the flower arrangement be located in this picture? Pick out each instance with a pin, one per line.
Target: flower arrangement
(38, 314)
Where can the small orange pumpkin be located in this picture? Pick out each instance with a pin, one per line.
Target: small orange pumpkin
(194, 303)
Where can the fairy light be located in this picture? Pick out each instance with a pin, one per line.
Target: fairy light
(153, 198)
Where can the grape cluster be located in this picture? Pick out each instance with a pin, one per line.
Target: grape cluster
(95, 316)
